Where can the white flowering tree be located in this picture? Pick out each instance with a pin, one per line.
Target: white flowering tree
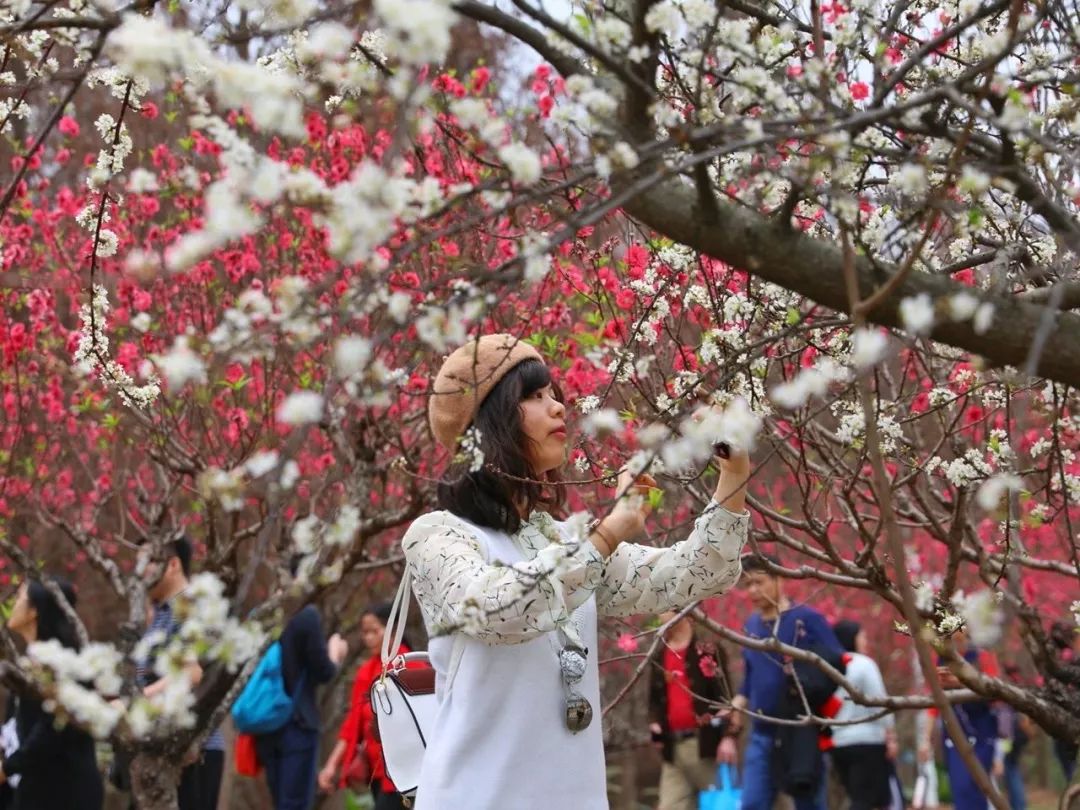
(861, 219)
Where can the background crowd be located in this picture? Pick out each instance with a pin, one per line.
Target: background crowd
(697, 717)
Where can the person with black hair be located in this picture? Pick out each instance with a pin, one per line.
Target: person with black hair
(1065, 636)
(979, 721)
(510, 595)
(863, 742)
(774, 761)
(290, 755)
(1015, 730)
(687, 682)
(356, 761)
(56, 767)
(200, 781)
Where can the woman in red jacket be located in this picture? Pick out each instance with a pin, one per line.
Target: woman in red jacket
(356, 740)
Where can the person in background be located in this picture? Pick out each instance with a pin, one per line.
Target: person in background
(863, 740)
(290, 754)
(686, 684)
(356, 740)
(56, 767)
(765, 682)
(1066, 637)
(9, 744)
(1015, 730)
(200, 780)
(979, 722)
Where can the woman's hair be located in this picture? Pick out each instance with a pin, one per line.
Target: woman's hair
(846, 631)
(52, 621)
(381, 611)
(491, 496)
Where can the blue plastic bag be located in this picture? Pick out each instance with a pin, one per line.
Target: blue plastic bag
(725, 794)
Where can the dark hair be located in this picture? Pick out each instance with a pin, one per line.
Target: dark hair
(182, 549)
(381, 611)
(845, 631)
(1062, 634)
(491, 495)
(760, 562)
(52, 621)
(294, 563)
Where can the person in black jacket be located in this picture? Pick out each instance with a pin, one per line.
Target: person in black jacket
(57, 768)
(290, 755)
(687, 683)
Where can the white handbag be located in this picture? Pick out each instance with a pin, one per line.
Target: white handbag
(403, 700)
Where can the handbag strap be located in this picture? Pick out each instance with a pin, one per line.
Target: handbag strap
(399, 616)
(395, 623)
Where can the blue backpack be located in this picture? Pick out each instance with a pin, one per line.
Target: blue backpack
(264, 706)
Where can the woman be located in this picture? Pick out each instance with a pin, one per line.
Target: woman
(355, 740)
(57, 768)
(979, 722)
(510, 596)
(864, 742)
(687, 683)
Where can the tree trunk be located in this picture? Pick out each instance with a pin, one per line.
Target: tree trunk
(154, 779)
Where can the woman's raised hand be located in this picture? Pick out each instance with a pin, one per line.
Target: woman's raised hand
(627, 518)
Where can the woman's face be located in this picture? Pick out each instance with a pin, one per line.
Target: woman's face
(371, 633)
(23, 616)
(543, 421)
(862, 643)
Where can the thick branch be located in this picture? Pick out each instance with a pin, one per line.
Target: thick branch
(813, 267)
(521, 30)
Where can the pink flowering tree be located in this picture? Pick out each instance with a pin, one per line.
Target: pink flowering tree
(852, 227)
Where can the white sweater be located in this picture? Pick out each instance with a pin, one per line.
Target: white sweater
(865, 676)
(500, 739)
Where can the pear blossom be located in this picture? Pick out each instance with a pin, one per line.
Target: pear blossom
(917, 313)
(301, 408)
(868, 347)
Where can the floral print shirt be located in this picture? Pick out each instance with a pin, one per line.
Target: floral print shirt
(510, 603)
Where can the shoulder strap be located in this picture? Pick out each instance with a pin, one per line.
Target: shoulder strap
(399, 616)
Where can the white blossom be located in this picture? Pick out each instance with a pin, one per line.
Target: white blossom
(984, 317)
(983, 618)
(910, 178)
(602, 422)
(261, 463)
(588, 404)
(868, 347)
(180, 365)
(989, 495)
(523, 163)
(343, 530)
(300, 408)
(974, 181)
(917, 313)
(351, 355)
(471, 448)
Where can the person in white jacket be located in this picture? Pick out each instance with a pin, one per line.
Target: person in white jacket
(510, 595)
(864, 739)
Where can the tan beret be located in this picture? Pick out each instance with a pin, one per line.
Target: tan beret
(467, 376)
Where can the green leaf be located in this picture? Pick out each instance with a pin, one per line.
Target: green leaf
(793, 316)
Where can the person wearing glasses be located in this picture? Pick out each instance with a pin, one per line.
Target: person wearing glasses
(510, 594)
